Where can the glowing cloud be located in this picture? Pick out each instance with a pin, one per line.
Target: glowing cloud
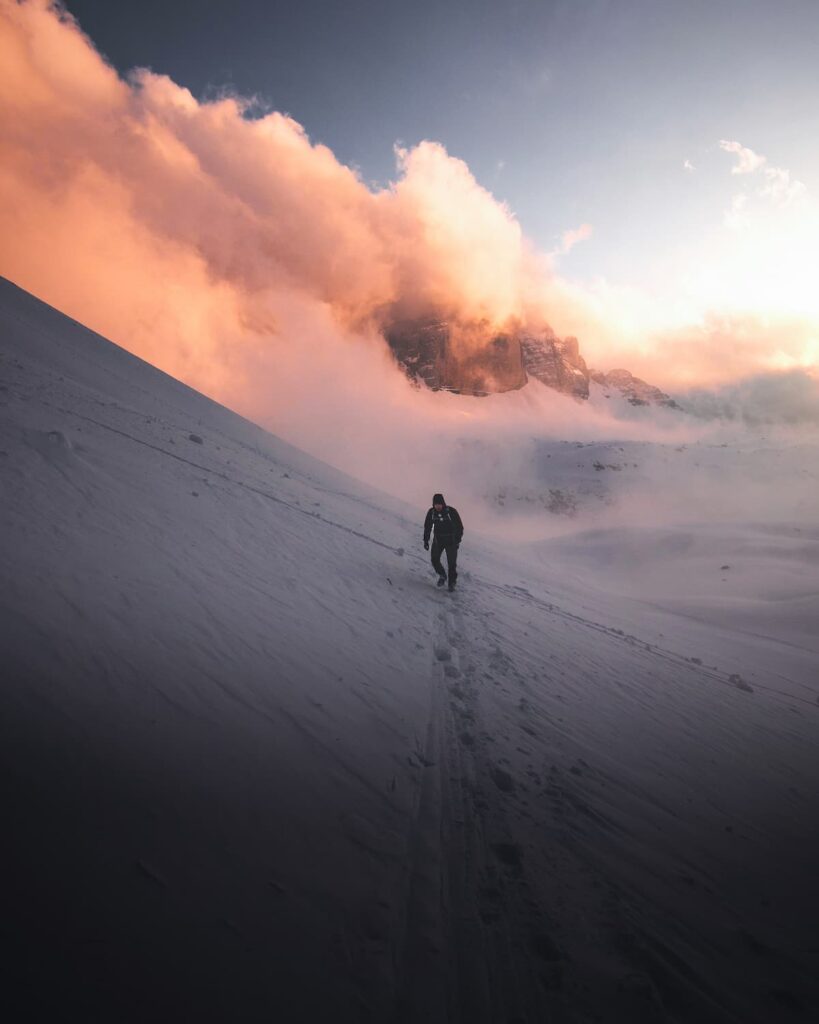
(747, 160)
(778, 185)
(121, 201)
(570, 238)
(231, 251)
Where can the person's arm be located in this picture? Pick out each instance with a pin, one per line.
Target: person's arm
(459, 526)
(427, 528)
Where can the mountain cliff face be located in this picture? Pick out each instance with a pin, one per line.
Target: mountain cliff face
(469, 361)
(633, 388)
(556, 362)
(474, 360)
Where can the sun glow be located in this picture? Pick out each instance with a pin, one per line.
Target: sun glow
(190, 233)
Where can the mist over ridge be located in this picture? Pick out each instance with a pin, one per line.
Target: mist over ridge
(227, 249)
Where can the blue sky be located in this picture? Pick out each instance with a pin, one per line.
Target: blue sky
(571, 112)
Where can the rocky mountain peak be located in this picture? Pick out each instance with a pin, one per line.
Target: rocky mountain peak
(469, 358)
(476, 359)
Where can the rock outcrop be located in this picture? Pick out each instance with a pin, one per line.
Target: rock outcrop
(556, 362)
(637, 391)
(472, 359)
(468, 360)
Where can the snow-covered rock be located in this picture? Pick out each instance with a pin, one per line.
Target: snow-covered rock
(474, 360)
(635, 390)
(556, 362)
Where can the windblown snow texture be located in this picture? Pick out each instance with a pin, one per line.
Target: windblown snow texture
(256, 767)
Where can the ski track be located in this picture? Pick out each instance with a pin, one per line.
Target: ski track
(474, 888)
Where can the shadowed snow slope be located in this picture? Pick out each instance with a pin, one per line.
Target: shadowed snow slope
(257, 767)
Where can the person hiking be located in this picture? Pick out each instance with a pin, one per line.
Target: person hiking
(449, 530)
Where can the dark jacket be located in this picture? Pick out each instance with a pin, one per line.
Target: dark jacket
(447, 525)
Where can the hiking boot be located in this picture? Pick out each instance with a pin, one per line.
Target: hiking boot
(441, 580)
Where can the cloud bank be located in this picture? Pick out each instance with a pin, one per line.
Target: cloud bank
(130, 205)
(788, 398)
(234, 253)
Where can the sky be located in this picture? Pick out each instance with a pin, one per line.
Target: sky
(572, 112)
(246, 193)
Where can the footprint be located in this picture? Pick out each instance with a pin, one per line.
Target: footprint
(442, 652)
(503, 780)
(740, 683)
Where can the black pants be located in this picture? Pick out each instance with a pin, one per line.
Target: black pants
(451, 549)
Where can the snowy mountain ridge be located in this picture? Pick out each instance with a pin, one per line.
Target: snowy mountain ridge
(474, 359)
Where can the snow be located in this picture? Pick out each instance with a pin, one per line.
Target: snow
(259, 767)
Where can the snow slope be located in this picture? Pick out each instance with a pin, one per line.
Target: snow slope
(258, 767)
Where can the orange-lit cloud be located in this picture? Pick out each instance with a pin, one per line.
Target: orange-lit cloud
(130, 205)
(234, 253)
(570, 238)
(747, 160)
(739, 300)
